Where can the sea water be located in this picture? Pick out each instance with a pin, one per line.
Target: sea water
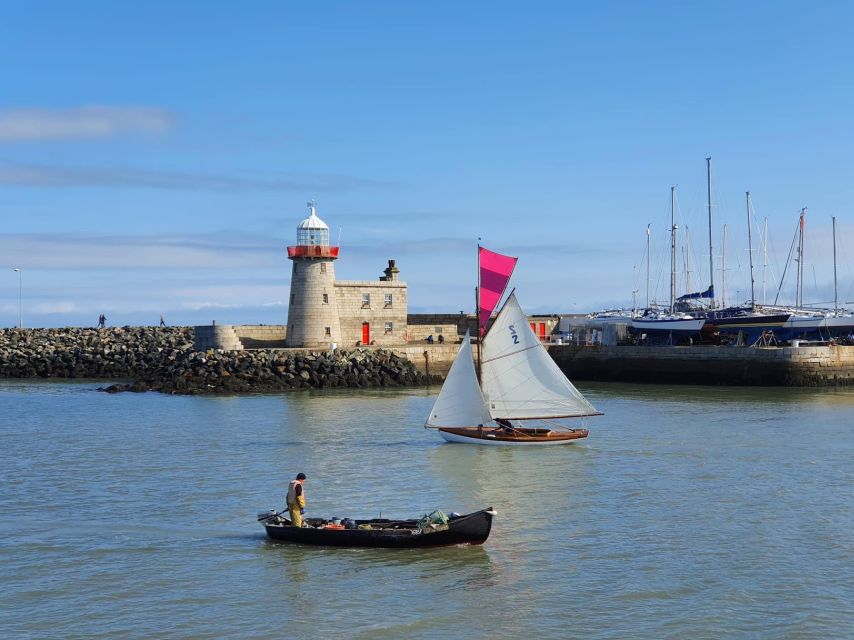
(688, 513)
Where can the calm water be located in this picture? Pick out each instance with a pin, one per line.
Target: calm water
(688, 513)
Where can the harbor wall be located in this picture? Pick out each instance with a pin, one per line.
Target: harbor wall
(166, 359)
(433, 358)
(157, 355)
(805, 366)
(236, 337)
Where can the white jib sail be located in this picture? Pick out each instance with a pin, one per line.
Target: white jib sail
(460, 402)
(519, 378)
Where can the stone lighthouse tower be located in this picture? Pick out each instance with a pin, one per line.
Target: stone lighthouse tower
(313, 320)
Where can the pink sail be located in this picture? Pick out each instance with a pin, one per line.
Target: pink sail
(495, 272)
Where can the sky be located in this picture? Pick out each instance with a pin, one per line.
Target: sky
(155, 158)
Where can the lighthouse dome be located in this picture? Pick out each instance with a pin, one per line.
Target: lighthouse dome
(312, 230)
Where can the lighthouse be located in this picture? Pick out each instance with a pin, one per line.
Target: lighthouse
(313, 320)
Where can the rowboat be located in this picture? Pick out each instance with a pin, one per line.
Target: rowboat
(472, 528)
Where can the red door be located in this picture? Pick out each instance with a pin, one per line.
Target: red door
(366, 333)
(542, 331)
(533, 327)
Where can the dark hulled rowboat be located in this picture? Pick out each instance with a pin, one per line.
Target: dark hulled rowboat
(472, 528)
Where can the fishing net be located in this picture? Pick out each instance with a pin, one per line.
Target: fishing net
(434, 521)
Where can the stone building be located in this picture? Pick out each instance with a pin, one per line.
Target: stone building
(323, 310)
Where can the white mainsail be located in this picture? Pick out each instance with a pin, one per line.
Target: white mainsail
(520, 380)
(460, 402)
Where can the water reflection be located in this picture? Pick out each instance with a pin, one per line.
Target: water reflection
(713, 395)
(520, 482)
(461, 568)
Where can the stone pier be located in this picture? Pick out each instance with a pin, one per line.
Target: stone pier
(807, 366)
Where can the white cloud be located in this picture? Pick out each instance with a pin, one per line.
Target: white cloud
(55, 251)
(30, 175)
(21, 125)
(59, 306)
(198, 306)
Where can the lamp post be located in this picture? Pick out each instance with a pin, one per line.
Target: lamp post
(20, 273)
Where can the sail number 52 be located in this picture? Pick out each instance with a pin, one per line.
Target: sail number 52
(513, 334)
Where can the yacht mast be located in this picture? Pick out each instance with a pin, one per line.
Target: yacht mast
(750, 253)
(647, 266)
(835, 293)
(723, 270)
(687, 259)
(764, 257)
(672, 248)
(711, 253)
(799, 298)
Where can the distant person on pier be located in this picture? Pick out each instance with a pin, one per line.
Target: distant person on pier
(102, 321)
(441, 338)
(162, 321)
(430, 339)
(296, 500)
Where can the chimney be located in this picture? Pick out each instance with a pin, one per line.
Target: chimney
(390, 272)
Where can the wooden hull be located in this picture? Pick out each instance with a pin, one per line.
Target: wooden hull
(472, 528)
(518, 437)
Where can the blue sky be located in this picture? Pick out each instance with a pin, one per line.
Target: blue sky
(156, 158)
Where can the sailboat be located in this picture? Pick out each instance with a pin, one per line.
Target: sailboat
(518, 383)
(672, 324)
(818, 324)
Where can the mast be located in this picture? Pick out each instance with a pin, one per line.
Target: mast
(799, 297)
(672, 247)
(711, 253)
(723, 270)
(750, 253)
(477, 313)
(647, 266)
(835, 296)
(764, 258)
(687, 259)
(786, 268)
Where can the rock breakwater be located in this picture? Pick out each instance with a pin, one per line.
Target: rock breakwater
(163, 359)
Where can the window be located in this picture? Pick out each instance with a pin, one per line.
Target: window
(293, 297)
(437, 330)
(388, 327)
(322, 267)
(388, 301)
(328, 331)
(313, 237)
(366, 301)
(325, 298)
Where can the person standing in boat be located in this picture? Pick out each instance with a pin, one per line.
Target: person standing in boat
(296, 500)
